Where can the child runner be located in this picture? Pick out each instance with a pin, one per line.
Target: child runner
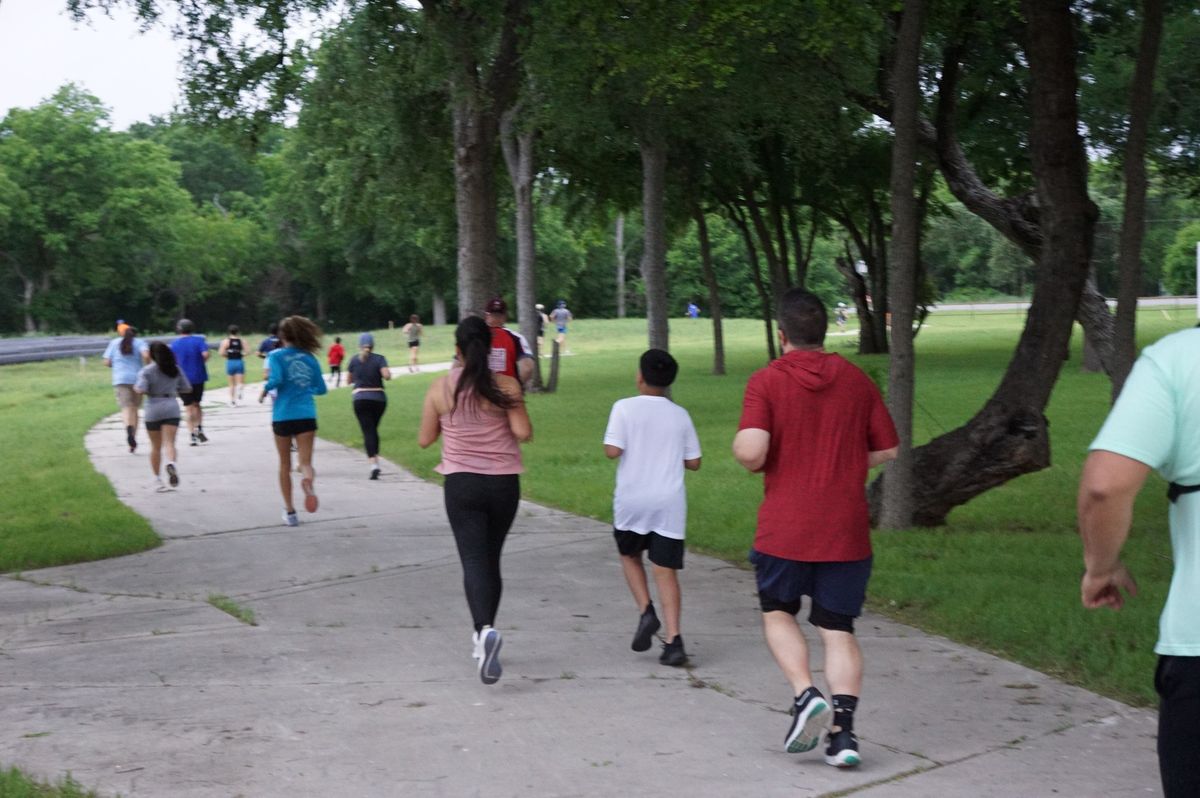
(162, 382)
(655, 441)
(413, 331)
(191, 352)
(482, 420)
(368, 370)
(337, 353)
(126, 355)
(233, 349)
(296, 375)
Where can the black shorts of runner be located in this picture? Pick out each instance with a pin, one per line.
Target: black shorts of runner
(837, 589)
(413, 344)
(296, 426)
(335, 368)
(195, 396)
(156, 426)
(663, 551)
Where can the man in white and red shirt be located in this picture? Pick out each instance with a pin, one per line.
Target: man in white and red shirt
(813, 423)
(511, 354)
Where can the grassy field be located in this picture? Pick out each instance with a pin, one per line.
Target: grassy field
(15, 784)
(1002, 575)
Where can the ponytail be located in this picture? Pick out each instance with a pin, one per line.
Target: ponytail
(474, 339)
(164, 358)
(127, 340)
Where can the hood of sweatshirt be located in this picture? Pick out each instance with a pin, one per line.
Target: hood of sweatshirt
(811, 370)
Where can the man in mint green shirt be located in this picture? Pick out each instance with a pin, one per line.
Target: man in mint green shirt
(1155, 424)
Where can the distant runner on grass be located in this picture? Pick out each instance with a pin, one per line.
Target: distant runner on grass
(813, 424)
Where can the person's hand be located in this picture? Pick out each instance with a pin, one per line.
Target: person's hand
(1107, 589)
(262, 397)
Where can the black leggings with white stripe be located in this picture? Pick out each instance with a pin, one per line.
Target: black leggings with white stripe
(481, 509)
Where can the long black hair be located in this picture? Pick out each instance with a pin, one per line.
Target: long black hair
(127, 340)
(474, 339)
(164, 358)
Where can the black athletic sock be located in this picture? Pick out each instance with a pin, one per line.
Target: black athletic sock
(843, 711)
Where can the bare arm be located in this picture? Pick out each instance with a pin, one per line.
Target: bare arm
(750, 447)
(224, 348)
(430, 427)
(882, 456)
(386, 373)
(612, 452)
(1109, 484)
(525, 369)
(108, 362)
(518, 416)
(692, 465)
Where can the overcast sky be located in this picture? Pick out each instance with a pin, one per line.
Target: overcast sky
(134, 74)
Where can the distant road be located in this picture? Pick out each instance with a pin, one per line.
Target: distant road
(1143, 302)
(54, 347)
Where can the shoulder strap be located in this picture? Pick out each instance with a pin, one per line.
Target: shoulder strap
(1175, 490)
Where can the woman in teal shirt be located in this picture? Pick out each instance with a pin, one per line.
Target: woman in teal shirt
(296, 375)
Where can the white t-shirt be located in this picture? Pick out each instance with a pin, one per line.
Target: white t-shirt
(656, 435)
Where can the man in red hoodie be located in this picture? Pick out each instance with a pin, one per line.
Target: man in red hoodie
(813, 424)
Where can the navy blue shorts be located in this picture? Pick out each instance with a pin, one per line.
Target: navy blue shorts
(836, 588)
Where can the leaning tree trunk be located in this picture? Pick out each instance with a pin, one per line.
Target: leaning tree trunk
(756, 275)
(1133, 218)
(654, 253)
(897, 503)
(517, 146)
(619, 246)
(714, 290)
(1009, 436)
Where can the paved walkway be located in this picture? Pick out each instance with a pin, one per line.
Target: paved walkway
(358, 680)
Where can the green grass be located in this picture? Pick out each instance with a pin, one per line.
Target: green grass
(1003, 575)
(15, 784)
(227, 605)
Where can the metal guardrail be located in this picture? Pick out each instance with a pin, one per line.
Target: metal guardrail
(58, 347)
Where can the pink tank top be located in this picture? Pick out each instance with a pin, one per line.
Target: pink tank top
(474, 439)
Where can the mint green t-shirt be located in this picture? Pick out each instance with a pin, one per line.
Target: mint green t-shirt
(1156, 421)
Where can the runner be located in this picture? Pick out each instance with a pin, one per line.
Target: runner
(125, 356)
(162, 382)
(560, 316)
(511, 354)
(337, 354)
(296, 375)
(481, 418)
(233, 349)
(413, 330)
(368, 370)
(191, 353)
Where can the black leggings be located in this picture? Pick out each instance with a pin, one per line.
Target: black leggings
(369, 411)
(481, 509)
(1178, 683)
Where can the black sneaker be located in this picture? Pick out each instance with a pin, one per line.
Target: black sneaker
(172, 475)
(673, 653)
(201, 436)
(195, 441)
(647, 625)
(810, 714)
(842, 751)
(132, 441)
(374, 472)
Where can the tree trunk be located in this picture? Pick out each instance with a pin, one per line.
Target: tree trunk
(518, 155)
(897, 501)
(775, 268)
(714, 290)
(1133, 218)
(27, 286)
(654, 253)
(439, 308)
(322, 304)
(756, 273)
(475, 205)
(1009, 436)
(619, 246)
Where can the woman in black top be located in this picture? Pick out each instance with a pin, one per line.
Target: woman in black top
(233, 349)
(367, 372)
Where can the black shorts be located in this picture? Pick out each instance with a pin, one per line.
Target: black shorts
(413, 344)
(335, 368)
(663, 551)
(293, 427)
(155, 426)
(838, 589)
(195, 396)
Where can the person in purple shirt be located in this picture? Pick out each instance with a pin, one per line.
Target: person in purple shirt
(191, 352)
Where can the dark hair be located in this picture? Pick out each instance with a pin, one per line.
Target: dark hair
(164, 358)
(185, 326)
(658, 368)
(802, 318)
(415, 318)
(301, 333)
(474, 339)
(233, 329)
(273, 328)
(337, 340)
(127, 340)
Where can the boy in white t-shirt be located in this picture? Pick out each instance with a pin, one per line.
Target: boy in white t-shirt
(655, 441)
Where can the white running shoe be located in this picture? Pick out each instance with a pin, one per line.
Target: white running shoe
(290, 519)
(159, 486)
(489, 662)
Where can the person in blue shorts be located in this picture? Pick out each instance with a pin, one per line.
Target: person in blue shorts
(296, 374)
(233, 349)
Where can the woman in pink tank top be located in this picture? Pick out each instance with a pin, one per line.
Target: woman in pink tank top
(481, 419)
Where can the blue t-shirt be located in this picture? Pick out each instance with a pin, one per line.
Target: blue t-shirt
(189, 352)
(1156, 421)
(125, 368)
(298, 377)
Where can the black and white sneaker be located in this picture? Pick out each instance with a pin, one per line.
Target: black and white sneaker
(673, 653)
(172, 475)
(489, 655)
(374, 472)
(842, 751)
(201, 436)
(810, 715)
(195, 440)
(647, 625)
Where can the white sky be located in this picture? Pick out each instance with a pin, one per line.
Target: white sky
(134, 74)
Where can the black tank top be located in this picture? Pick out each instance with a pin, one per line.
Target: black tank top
(235, 349)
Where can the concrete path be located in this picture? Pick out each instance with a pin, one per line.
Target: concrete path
(358, 679)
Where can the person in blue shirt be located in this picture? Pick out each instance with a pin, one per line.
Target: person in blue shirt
(126, 355)
(295, 374)
(191, 353)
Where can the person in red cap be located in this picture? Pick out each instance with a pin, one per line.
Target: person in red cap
(510, 354)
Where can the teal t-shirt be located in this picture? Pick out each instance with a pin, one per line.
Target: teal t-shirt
(1156, 421)
(298, 377)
